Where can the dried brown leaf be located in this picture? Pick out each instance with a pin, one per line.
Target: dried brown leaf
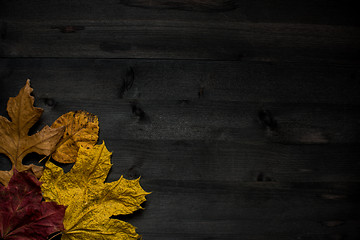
(14, 139)
(81, 129)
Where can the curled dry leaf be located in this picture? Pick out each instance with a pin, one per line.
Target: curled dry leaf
(91, 202)
(81, 129)
(23, 214)
(14, 139)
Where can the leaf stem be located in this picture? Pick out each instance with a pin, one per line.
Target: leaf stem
(44, 158)
(55, 235)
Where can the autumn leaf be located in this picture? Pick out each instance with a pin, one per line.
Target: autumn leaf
(81, 129)
(23, 214)
(14, 140)
(91, 202)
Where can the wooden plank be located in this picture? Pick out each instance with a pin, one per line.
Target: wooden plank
(109, 79)
(228, 161)
(291, 11)
(224, 121)
(238, 41)
(229, 210)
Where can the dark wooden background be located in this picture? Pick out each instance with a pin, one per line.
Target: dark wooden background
(242, 117)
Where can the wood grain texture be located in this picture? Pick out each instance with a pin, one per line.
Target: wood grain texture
(248, 210)
(241, 117)
(257, 82)
(187, 5)
(209, 161)
(327, 12)
(268, 42)
(229, 121)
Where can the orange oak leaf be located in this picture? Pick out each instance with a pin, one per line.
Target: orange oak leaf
(14, 139)
(81, 130)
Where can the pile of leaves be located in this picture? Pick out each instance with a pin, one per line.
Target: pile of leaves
(77, 204)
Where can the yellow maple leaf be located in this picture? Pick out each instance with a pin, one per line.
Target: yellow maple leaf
(81, 129)
(14, 139)
(91, 202)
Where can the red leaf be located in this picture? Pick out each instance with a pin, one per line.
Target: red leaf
(23, 214)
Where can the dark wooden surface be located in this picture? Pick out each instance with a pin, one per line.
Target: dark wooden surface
(242, 117)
